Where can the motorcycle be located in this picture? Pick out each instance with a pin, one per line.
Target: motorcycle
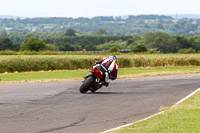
(95, 79)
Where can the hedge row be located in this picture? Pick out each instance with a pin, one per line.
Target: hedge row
(46, 63)
(54, 53)
(162, 62)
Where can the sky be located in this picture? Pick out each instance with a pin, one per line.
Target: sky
(92, 8)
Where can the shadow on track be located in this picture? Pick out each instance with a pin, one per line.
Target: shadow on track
(111, 93)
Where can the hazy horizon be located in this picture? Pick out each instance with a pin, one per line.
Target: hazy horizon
(92, 8)
(175, 16)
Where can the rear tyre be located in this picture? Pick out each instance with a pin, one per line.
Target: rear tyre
(93, 91)
(86, 84)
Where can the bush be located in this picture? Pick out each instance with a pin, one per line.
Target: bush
(151, 52)
(113, 49)
(39, 63)
(187, 51)
(33, 44)
(139, 48)
(124, 62)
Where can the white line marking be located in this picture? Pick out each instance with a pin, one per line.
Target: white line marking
(132, 123)
(151, 115)
(188, 96)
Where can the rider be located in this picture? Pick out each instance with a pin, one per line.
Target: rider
(109, 65)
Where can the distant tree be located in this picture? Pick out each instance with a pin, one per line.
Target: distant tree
(187, 51)
(183, 42)
(197, 43)
(129, 25)
(119, 34)
(134, 39)
(3, 34)
(90, 47)
(85, 42)
(77, 47)
(102, 32)
(6, 44)
(163, 42)
(70, 32)
(114, 49)
(129, 41)
(66, 47)
(51, 47)
(33, 44)
(160, 26)
(16, 47)
(119, 44)
(139, 48)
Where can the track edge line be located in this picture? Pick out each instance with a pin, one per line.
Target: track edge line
(188, 96)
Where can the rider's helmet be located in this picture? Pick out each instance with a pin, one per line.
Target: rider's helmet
(113, 57)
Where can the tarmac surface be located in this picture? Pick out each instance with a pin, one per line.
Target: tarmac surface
(58, 107)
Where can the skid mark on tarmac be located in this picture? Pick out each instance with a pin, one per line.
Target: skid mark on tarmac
(63, 127)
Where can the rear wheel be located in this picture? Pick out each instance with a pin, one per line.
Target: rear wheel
(93, 90)
(86, 84)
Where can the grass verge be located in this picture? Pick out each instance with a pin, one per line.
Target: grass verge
(181, 118)
(79, 74)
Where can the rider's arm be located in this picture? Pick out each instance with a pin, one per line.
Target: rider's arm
(100, 61)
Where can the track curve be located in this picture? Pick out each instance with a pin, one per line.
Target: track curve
(43, 107)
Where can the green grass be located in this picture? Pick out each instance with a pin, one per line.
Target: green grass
(50, 75)
(79, 74)
(158, 69)
(182, 118)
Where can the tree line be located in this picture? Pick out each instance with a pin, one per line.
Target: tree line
(71, 40)
(114, 25)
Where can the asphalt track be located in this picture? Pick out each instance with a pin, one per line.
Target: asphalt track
(58, 107)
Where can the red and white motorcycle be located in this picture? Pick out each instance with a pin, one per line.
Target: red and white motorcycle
(95, 79)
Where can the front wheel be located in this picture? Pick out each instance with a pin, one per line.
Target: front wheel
(86, 84)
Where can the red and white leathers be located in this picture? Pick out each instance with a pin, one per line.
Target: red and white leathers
(110, 66)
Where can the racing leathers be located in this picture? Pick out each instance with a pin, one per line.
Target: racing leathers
(110, 66)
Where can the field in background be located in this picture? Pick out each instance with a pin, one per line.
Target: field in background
(22, 63)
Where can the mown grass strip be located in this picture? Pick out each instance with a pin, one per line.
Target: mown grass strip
(79, 74)
(181, 118)
(43, 75)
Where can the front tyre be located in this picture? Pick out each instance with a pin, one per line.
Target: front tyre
(86, 84)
